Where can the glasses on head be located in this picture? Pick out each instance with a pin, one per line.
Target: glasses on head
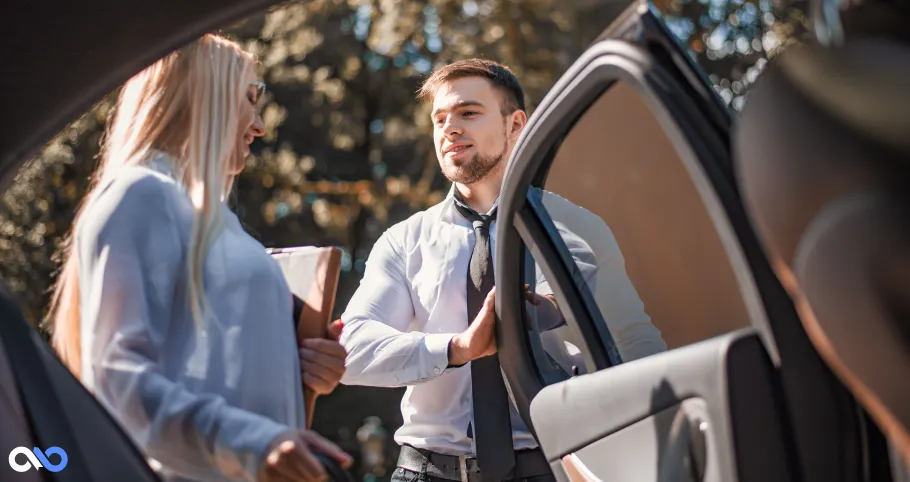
(260, 90)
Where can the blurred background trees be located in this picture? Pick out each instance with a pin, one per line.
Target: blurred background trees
(348, 150)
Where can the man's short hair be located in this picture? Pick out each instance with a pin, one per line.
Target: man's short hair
(502, 78)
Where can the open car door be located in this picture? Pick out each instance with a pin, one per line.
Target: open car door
(630, 152)
(46, 412)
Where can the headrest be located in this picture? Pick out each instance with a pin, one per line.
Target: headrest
(822, 152)
(819, 124)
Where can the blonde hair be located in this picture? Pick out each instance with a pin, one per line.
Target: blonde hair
(185, 104)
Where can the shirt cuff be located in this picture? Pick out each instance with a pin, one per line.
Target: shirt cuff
(437, 348)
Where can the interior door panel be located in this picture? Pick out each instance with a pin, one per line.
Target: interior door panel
(704, 412)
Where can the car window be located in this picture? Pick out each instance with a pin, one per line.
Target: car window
(662, 270)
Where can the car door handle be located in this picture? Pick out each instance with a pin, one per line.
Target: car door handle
(698, 447)
(686, 448)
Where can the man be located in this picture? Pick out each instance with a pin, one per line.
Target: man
(423, 315)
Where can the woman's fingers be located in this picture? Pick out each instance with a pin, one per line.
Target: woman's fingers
(308, 464)
(318, 384)
(325, 346)
(317, 442)
(322, 364)
(292, 460)
(317, 368)
(320, 360)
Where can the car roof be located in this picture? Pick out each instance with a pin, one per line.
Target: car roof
(62, 56)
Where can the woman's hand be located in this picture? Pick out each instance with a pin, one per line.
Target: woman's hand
(322, 361)
(290, 458)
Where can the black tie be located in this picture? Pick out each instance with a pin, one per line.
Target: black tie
(492, 426)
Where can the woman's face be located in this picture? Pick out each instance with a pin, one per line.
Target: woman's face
(249, 125)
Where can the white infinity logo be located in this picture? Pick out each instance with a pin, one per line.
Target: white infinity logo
(37, 459)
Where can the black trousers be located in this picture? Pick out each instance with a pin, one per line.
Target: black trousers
(404, 475)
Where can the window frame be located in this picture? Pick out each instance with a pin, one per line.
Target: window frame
(695, 124)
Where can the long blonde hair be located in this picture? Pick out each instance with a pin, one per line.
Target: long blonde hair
(185, 104)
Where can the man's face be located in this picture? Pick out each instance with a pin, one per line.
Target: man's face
(471, 135)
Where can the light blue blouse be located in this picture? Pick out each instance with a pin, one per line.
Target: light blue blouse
(203, 406)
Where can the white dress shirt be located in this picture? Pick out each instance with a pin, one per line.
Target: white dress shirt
(410, 303)
(201, 406)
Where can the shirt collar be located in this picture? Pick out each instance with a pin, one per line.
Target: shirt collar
(456, 199)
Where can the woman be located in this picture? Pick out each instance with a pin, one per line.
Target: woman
(166, 308)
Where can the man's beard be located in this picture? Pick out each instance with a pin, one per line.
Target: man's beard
(474, 170)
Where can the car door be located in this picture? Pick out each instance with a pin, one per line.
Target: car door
(630, 153)
(54, 429)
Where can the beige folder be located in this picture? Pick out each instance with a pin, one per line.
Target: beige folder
(312, 274)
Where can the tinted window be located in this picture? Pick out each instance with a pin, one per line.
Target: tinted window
(661, 246)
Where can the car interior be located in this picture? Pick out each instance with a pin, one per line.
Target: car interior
(829, 196)
(771, 253)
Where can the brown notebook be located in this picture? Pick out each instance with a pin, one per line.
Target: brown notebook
(312, 275)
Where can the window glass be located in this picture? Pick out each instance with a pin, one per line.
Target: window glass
(640, 233)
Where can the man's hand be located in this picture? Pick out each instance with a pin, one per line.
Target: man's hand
(532, 297)
(290, 458)
(548, 313)
(479, 340)
(322, 361)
